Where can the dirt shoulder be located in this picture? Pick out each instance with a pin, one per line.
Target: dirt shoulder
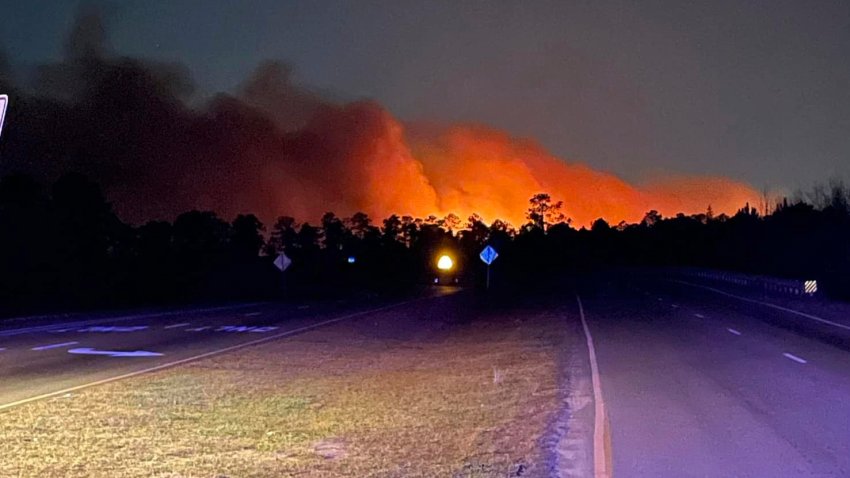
(437, 389)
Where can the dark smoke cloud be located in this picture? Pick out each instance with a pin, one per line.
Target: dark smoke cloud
(270, 89)
(274, 147)
(127, 123)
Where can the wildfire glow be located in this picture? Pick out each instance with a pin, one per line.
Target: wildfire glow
(276, 149)
(358, 157)
(477, 169)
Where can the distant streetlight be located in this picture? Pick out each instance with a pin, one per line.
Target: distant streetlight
(445, 263)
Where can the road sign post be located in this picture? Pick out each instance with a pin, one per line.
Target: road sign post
(488, 255)
(4, 100)
(282, 262)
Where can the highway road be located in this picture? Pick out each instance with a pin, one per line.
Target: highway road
(695, 383)
(702, 384)
(52, 356)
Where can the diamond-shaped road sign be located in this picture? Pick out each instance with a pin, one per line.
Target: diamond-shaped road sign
(488, 255)
(4, 100)
(282, 262)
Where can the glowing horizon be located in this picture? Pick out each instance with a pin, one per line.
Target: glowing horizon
(378, 165)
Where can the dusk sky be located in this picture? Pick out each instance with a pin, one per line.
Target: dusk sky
(757, 91)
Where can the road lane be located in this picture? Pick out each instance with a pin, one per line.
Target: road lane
(21, 325)
(695, 384)
(710, 388)
(38, 362)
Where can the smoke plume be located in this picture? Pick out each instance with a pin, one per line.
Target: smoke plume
(275, 148)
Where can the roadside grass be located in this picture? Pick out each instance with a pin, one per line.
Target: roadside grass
(466, 400)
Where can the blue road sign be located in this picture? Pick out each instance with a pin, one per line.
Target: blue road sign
(488, 255)
(282, 262)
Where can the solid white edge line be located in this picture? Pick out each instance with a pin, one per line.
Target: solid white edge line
(767, 304)
(116, 378)
(794, 358)
(53, 346)
(599, 459)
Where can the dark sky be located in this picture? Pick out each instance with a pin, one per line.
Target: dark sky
(759, 91)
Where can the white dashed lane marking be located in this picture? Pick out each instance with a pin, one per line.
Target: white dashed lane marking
(794, 358)
(244, 328)
(252, 314)
(113, 328)
(113, 353)
(768, 304)
(52, 327)
(174, 326)
(733, 331)
(4, 406)
(55, 346)
(699, 316)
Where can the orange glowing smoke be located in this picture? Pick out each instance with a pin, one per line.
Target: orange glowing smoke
(477, 169)
(383, 169)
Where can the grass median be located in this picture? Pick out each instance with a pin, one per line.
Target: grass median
(470, 398)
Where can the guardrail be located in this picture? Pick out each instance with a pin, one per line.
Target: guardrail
(792, 287)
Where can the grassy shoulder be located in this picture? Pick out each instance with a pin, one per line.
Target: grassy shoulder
(454, 398)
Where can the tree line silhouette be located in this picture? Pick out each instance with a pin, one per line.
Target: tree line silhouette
(64, 247)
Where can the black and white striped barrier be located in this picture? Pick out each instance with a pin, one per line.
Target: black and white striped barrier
(810, 287)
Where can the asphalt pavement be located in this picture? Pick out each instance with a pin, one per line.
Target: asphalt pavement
(698, 383)
(50, 356)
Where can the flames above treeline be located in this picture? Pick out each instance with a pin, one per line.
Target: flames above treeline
(422, 170)
(273, 148)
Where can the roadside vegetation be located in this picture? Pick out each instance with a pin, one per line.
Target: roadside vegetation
(65, 248)
(409, 394)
